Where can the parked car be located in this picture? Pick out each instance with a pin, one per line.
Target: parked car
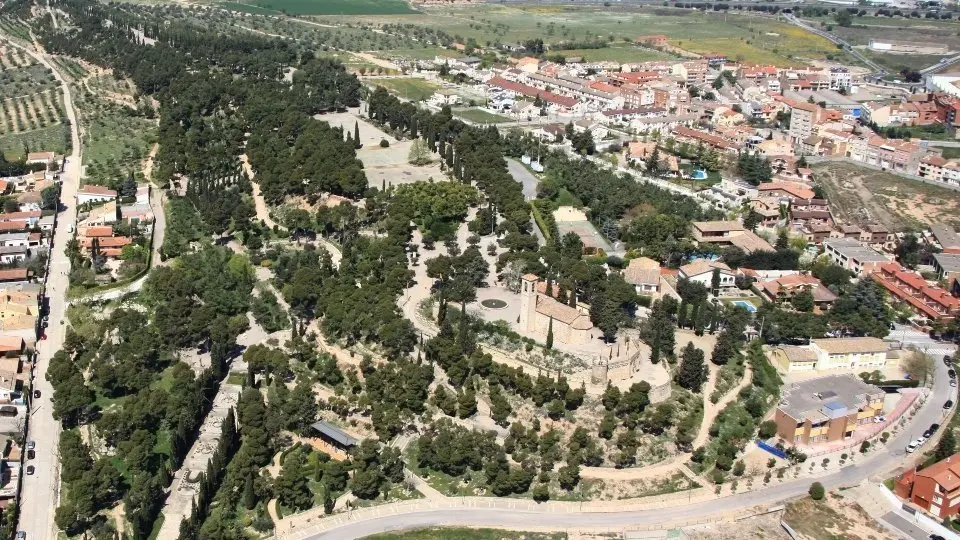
(31, 445)
(953, 383)
(948, 404)
(879, 419)
(21, 535)
(922, 439)
(912, 447)
(952, 373)
(31, 469)
(930, 431)
(31, 454)
(934, 427)
(36, 394)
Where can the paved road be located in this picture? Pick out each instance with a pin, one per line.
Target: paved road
(525, 177)
(457, 513)
(40, 494)
(904, 526)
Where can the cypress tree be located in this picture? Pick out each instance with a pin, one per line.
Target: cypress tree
(550, 334)
(249, 495)
(356, 134)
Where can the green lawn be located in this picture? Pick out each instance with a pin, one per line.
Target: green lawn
(412, 89)
(950, 152)
(459, 533)
(480, 116)
(331, 7)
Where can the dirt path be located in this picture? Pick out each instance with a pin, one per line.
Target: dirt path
(669, 466)
(711, 410)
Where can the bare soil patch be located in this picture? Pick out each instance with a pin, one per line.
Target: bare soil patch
(860, 195)
(833, 517)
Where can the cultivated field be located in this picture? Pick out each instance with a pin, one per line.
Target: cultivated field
(754, 38)
(31, 106)
(861, 195)
(117, 135)
(324, 7)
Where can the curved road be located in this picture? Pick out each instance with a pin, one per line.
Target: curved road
(510, 514)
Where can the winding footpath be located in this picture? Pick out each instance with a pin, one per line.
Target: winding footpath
(263, 213)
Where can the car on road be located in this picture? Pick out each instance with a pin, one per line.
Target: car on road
(879, 419)
(952, 373)
(31, 445)
(31, 454)
(69, 228)
(947, 360)
(36, 394)
(948, 404)
(31, 469)
(922, 439)
(21, 535)
(931, 430)
(912, 447)
(953, 383)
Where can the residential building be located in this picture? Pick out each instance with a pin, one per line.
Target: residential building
(34, 158)
(925, 300)
(935, 489)
(91, 194)
(803, 119)
(793, 191)
(840, 79)
(945, 237)
(701, 271)
(947, 265)
(826, 409)
(851, 255)
(784, 288)
(729, 233)
(938, 169)
(644, 274)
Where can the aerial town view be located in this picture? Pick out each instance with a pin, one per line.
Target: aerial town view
(479, 269)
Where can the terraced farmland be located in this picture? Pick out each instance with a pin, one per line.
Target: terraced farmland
(31, 106)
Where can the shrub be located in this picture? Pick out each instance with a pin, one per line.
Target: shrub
(768, 428)
(864, 447)
(384, 143)
(816, 491)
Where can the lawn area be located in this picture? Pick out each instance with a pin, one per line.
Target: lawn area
(412, 89)
(950, 152)
(333, 7)
(448, 533)
(862, 195)
(480, 116)
(624, 54)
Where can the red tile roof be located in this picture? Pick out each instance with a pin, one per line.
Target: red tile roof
(530, 91)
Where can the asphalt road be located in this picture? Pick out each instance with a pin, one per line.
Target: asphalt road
(880, 463)
(40, 493)
(525, 177)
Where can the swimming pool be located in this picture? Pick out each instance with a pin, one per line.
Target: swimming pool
(745, 305)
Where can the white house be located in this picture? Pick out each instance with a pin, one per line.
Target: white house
(89, 194)
(40, 157)
(597, 130)
(701, 271)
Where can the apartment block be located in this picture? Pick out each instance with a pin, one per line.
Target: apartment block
(827, 409)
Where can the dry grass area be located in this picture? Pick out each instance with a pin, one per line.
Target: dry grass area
(859, 195)
(832, 518)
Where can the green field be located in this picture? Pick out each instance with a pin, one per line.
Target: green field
(325, 7)
(623, 54)
(53, 138)
(480, 116)
(754, 38)
(459, 533)
(412, 89)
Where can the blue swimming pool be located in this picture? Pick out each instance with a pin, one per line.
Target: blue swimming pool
(745, 305)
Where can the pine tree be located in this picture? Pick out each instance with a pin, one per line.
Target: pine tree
(947, 445)
(356, 134)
